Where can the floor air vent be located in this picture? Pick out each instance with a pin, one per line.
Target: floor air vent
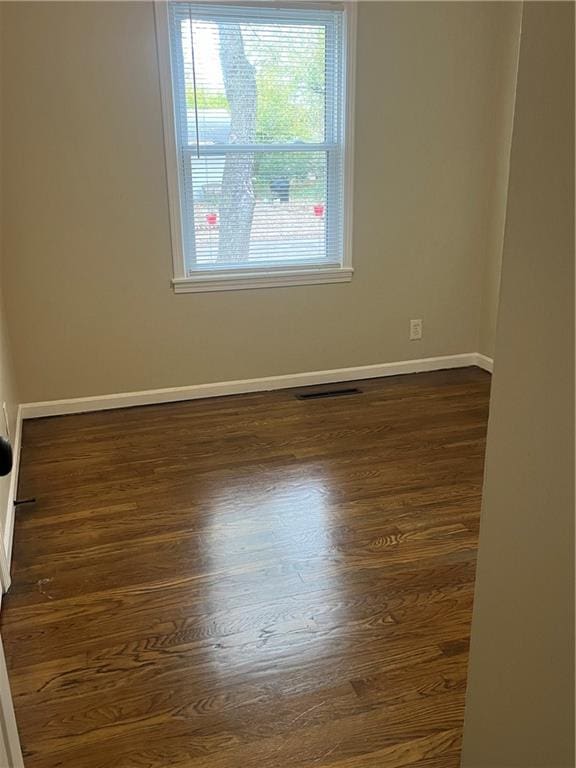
(318, 395)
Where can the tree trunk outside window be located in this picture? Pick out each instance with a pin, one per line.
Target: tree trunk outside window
(237, 197)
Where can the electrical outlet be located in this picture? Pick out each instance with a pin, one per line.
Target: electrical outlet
(415, 330)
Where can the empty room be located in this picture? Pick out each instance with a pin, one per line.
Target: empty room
(287, 384)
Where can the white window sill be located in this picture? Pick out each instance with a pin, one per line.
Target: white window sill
(238, 281)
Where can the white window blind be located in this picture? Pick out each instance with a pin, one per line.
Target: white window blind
(258, 99)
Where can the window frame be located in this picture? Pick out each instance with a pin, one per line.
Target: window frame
(266, 276)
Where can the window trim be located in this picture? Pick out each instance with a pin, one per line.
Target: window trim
(215, 280)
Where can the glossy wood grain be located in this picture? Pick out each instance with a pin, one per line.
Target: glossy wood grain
(250, 582)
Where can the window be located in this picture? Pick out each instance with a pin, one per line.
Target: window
(257, 110)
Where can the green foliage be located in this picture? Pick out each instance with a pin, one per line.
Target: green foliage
(290, 104)
(290, 108)
(300, 190)
(206, 100)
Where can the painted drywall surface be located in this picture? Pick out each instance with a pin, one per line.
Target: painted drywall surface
(87, 238)
(520, 708)
(7, 377)
(504, 88)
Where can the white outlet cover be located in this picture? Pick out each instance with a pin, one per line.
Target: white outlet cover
(415, 329)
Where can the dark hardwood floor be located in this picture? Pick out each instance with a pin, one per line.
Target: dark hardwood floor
(250, 582)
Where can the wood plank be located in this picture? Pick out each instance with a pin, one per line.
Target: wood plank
(250, 581)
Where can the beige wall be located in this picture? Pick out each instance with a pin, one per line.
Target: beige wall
(520, 709)
(8, 392)
(505, 91)
(86, 232)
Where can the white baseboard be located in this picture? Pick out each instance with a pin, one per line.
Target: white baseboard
(485, 362)
(220, 389)
(12, 494)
